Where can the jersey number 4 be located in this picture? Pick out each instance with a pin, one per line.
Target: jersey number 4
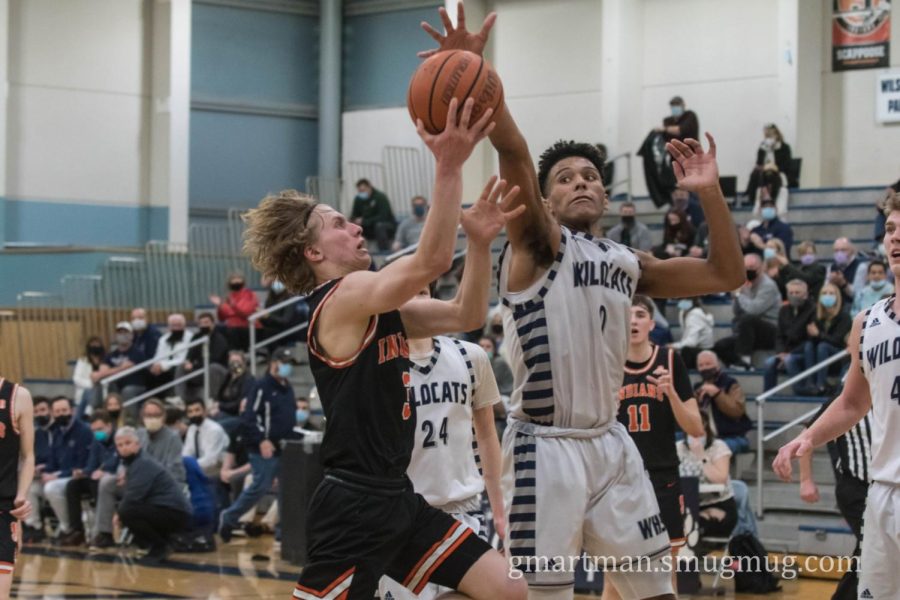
(895, 390)
(428, 428)
(638, 421)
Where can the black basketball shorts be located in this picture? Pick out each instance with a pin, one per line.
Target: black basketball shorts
(9, 541)
(667, 486)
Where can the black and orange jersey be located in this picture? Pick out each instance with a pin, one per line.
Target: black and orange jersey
(9, 445)
(645, 411)
(370, 421)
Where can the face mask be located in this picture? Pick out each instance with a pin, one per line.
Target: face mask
(196, 420)
(277, 287)
(677, 110)
(42, 420)
(768, 253)
(770, 140)
(498, 328)
(490, 354)
(123, 339)
(768, 213)
(709, 374)
(153, 424)
(419, 210)
(127, 460)
(95, 350)
(628, 221)
(828, 301)
(236, 287)
(796, 301)
(114, 414)
(841, 257)
(285, 370)
(63, 420)
(807, 259)
(751, 275)
(236, 368)
(176, 335)
(302, 415)
(877, 285)
(205, 330)
(139, 324)
(699, 441)
(363, 195)
(685, 305)
(101, 436)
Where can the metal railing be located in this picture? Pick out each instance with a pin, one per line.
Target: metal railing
(204, 341)
(617, 183)
(252, 320)
(761, 438)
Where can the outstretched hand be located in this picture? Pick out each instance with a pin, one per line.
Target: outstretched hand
(484, 220)
(790, 451)
(694, 168)
(458, 38)
(455, 143)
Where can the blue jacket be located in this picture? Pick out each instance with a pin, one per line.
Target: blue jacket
(41, 446)
(779, 229)
(69, 448)
(102, 455)
(270, 413)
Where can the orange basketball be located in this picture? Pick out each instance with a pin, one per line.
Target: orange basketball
(452, 74)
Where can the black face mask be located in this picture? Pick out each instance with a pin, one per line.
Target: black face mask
(197, 420)
(497, 329)
(114, 414)
(95, 350)
(42, 420)
(127, 460)
(751, 275)
(235, 287)
(628, 221)
(709, 374)
(176, 335)
(64, 420)
(205, 330)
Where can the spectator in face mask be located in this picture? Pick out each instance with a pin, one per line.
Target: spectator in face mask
(792, 335)
(238, 386)
(878, 287)
(283, 318)
(411, 227)
(146, 335)
(87, 375)
(235, 309)
(495, 332)
(629, 231)
(811, 270)
(827, 335)
(847, 271)
(161, 442)
(205, 440)
(112, 404)
(33, 529)
(176, 340)
(770, 227)
(218, 361)
(696, 330)
(372, 211)
(682, 123)
(721, 396)
(123, 357)
(772, 151)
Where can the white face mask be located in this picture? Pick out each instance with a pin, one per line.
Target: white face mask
(139, 324)
(697, 441)
(153, 424)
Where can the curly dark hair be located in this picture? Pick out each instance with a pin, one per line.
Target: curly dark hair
(564, 149)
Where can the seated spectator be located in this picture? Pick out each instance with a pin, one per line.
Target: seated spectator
(205, 440)
(112, 404)
(773, 188)
(721, 396)
(811, 270)
(494, 330)
(778, 267)
(153, 505)
(235, 310)
(688, 203)
(709, 459)
(411, 227)
(745, 238)
(372, 211)
(678, 236)
(175, 340)
(218, 361)
(629, 231)
(696, 331)
(266, 421)
(87, 375)
(502, 372)
(792, 335)
(102, 459)
(771, 227)
(847, 271)
(774, 152)
(33, 528)
(70, 444)
(123, 357)
(283, 318)
(701, 242)
(876, 288)
(235, 467)
(237, 388)
(827, 334)
(756, 307)
(146, 335)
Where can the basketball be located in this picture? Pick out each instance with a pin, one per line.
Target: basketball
(452, 74)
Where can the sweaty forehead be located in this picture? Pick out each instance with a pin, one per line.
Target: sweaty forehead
(575, 163)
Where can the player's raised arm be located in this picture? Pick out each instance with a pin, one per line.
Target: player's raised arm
(425, 317)
(847, 410)
(534, 237)
(723, 271)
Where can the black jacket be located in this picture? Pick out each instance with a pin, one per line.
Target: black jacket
(836, 330)
(792, 326)
(218, 350)
(270, 413)
(149, 484)
(234, 391)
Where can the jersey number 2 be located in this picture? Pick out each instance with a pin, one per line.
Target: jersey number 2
(428, 428)
(638, 421)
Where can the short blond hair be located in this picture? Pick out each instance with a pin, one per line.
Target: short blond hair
(891, 203)
(278, 232)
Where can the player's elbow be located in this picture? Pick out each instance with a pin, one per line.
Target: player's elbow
(472, 322)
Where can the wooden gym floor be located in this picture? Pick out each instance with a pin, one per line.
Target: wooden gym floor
(241, 569)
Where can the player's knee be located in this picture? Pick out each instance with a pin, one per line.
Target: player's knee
(515, 589)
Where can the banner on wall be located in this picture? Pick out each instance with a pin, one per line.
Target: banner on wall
(860, 34)
(887, 98)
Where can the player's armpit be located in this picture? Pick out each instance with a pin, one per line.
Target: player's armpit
(681, 277)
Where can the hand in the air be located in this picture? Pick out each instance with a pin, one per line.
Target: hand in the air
(488, 216)
(458, 38)
(694, 167)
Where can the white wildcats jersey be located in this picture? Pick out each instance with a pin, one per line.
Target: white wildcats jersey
(447, 386)
(567, 335)
(879, 356)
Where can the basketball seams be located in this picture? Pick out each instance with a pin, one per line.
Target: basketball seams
(434, 82)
